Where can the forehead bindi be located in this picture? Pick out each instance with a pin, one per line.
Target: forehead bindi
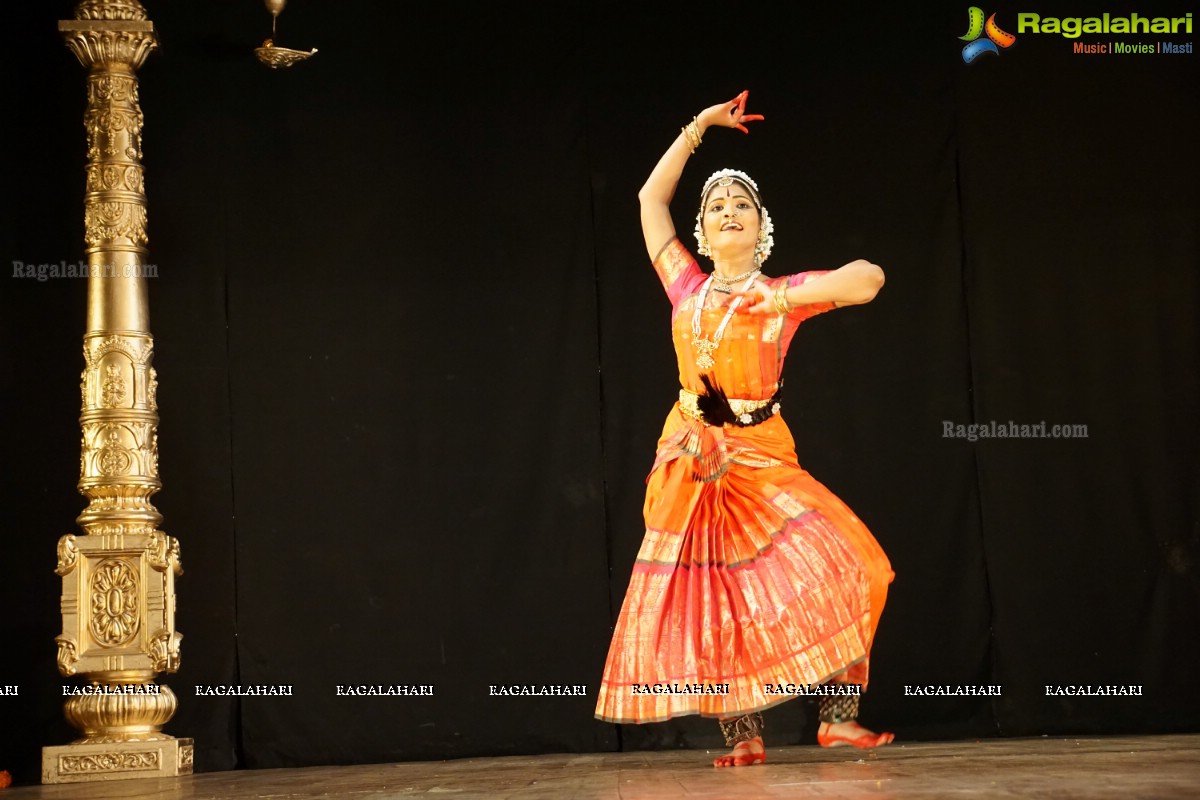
(728, 192)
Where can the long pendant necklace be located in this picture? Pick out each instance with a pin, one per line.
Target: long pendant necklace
(704, 346)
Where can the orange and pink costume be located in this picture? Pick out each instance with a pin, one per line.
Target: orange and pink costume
(751, 574)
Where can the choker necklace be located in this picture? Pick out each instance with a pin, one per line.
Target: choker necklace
(704, 346)
(721, 283)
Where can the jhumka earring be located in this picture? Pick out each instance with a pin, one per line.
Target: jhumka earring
(766, 238)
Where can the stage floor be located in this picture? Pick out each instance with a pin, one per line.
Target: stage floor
(1062, 768)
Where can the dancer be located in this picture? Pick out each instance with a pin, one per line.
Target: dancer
(754, 583)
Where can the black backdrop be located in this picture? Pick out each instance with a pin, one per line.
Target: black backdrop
(413, 360)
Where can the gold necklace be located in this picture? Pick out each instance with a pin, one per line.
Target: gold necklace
(721, 283)
(703, 346)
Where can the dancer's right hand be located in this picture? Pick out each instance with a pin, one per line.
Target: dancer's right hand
(731, 114)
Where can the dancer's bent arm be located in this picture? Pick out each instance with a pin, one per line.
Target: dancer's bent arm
(655, 196)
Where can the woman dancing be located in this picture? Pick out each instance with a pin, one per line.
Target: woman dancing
(754, 583)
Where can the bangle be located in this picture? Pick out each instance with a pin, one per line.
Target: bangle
(781, 301)
(691, 132)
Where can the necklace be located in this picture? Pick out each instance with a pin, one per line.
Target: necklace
(704, 346)
(721, 283)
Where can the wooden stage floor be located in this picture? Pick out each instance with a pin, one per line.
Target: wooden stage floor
(1062, 768)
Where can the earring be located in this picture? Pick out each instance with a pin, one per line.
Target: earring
(702, 246)
(759, 246)
(766, 238)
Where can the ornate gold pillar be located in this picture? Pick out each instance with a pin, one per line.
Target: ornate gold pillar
(118, 597)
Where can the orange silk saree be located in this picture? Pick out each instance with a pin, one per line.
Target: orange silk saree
(751, 574)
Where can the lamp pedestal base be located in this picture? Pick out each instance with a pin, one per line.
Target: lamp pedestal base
(84, 762)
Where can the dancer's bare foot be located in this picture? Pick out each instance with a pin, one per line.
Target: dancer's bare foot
(744, 754)
(840, 733)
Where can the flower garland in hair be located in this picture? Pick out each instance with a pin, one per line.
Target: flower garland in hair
(766, 228)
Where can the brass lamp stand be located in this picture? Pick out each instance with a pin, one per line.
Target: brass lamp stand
(118, 597)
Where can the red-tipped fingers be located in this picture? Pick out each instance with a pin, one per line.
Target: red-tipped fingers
(747, 118)
(751, 298)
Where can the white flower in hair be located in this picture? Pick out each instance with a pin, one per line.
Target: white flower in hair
(766, 238)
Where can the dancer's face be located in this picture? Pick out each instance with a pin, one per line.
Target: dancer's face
(730, 219)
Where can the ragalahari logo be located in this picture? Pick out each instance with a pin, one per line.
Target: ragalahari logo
(995, 40)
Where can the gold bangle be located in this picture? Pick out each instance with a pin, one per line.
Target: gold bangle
(781, 302)
(687, 137)
(691, 132)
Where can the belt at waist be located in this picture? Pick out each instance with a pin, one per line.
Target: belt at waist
(717, 409)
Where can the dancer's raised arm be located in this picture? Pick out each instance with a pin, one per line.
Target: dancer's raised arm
(655, 196)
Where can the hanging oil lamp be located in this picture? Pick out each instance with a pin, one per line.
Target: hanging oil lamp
(271, 54)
